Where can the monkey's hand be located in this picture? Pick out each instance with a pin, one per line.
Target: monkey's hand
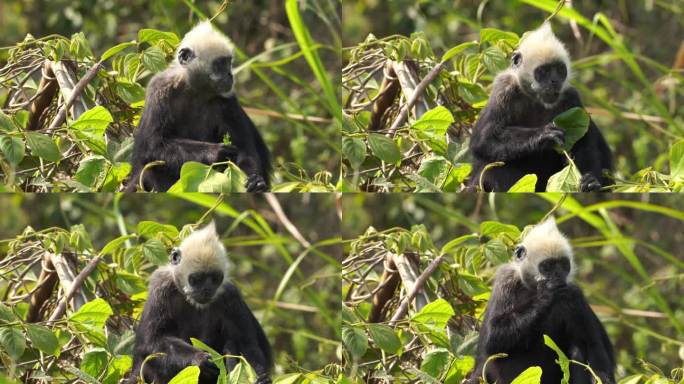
(589, 183)
(551, 136)
(256, 183)
(208, 370)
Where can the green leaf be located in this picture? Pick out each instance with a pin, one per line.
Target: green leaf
(13, 342)
(6, 314)
(90, 170)
(216, 357)
(42, 338)
(384, 337)
(6, 123)
(198, 177)
(94, 362)
(189, 375)
(242, 374)
(151, 229)
(43, 146)
(94, 313)
(154, 59)
(494, 59)
(129, 283)
(435, 362)
(355, 340)
(434, 169)
(434, 123)
(493, 35)
(567, 180)
(130, 92)
(93, 122)
(526, 184)
(531, 375)
(451, 53)
(562, 361)
(354, 150)
(153, 36)
(493, 228)
(575, 123)
(677, 161)
(384, 148)
(495, 251)
(436, 313)
(115, 244)
(116, 49)
(155, 252)
(13, 149)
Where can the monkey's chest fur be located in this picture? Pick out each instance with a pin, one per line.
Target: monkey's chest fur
(533, 351)
(201, 119)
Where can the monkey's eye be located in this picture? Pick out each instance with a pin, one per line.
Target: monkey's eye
(175, 256)
(520, 252)
(517, 59)
(185, 55)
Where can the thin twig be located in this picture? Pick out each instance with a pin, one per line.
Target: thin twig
(278, 210)
(77, 283)
(420, 89)
(78, 89)
(403, 308)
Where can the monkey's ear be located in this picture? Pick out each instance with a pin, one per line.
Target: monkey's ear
(175, 256)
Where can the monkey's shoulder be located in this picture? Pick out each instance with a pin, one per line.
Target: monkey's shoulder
(162, 280)
(230, 294)
(167, 84)
(505, 87)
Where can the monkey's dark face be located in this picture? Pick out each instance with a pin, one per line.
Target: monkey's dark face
(209, 72)
(536, 267)
(203, 285)
(550, 79)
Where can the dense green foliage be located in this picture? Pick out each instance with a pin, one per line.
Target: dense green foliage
(290, 285)
(287, 65)
(628, 84)
(628, 266)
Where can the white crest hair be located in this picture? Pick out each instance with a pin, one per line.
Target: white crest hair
(545, 241)
(202, 250)
(542, 46)
(206, 42)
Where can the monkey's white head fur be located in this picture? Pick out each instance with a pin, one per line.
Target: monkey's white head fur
(201, 251)
(206, 44)
(540, 47)
(543, 241)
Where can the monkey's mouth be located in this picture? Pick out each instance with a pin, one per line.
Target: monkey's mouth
(203, 297)
(549, 97)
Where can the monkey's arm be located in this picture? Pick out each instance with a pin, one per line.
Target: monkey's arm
(253, 157)
(251, 342)
(591, 340)
(155, 137)
(497, 138)
(512, 316)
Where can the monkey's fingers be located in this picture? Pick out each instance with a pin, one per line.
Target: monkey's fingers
(589, 183)
(256, 183)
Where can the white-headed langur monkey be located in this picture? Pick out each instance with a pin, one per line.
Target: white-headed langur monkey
(189, 109)
(534, 295)
(516, 127)
(191, 297)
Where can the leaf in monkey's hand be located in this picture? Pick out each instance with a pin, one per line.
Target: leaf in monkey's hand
(575, 123)
(216, 357)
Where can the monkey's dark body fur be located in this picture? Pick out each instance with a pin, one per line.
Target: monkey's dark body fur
(181, 123)
(516, 319)
(169, 321)
(513, 129)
